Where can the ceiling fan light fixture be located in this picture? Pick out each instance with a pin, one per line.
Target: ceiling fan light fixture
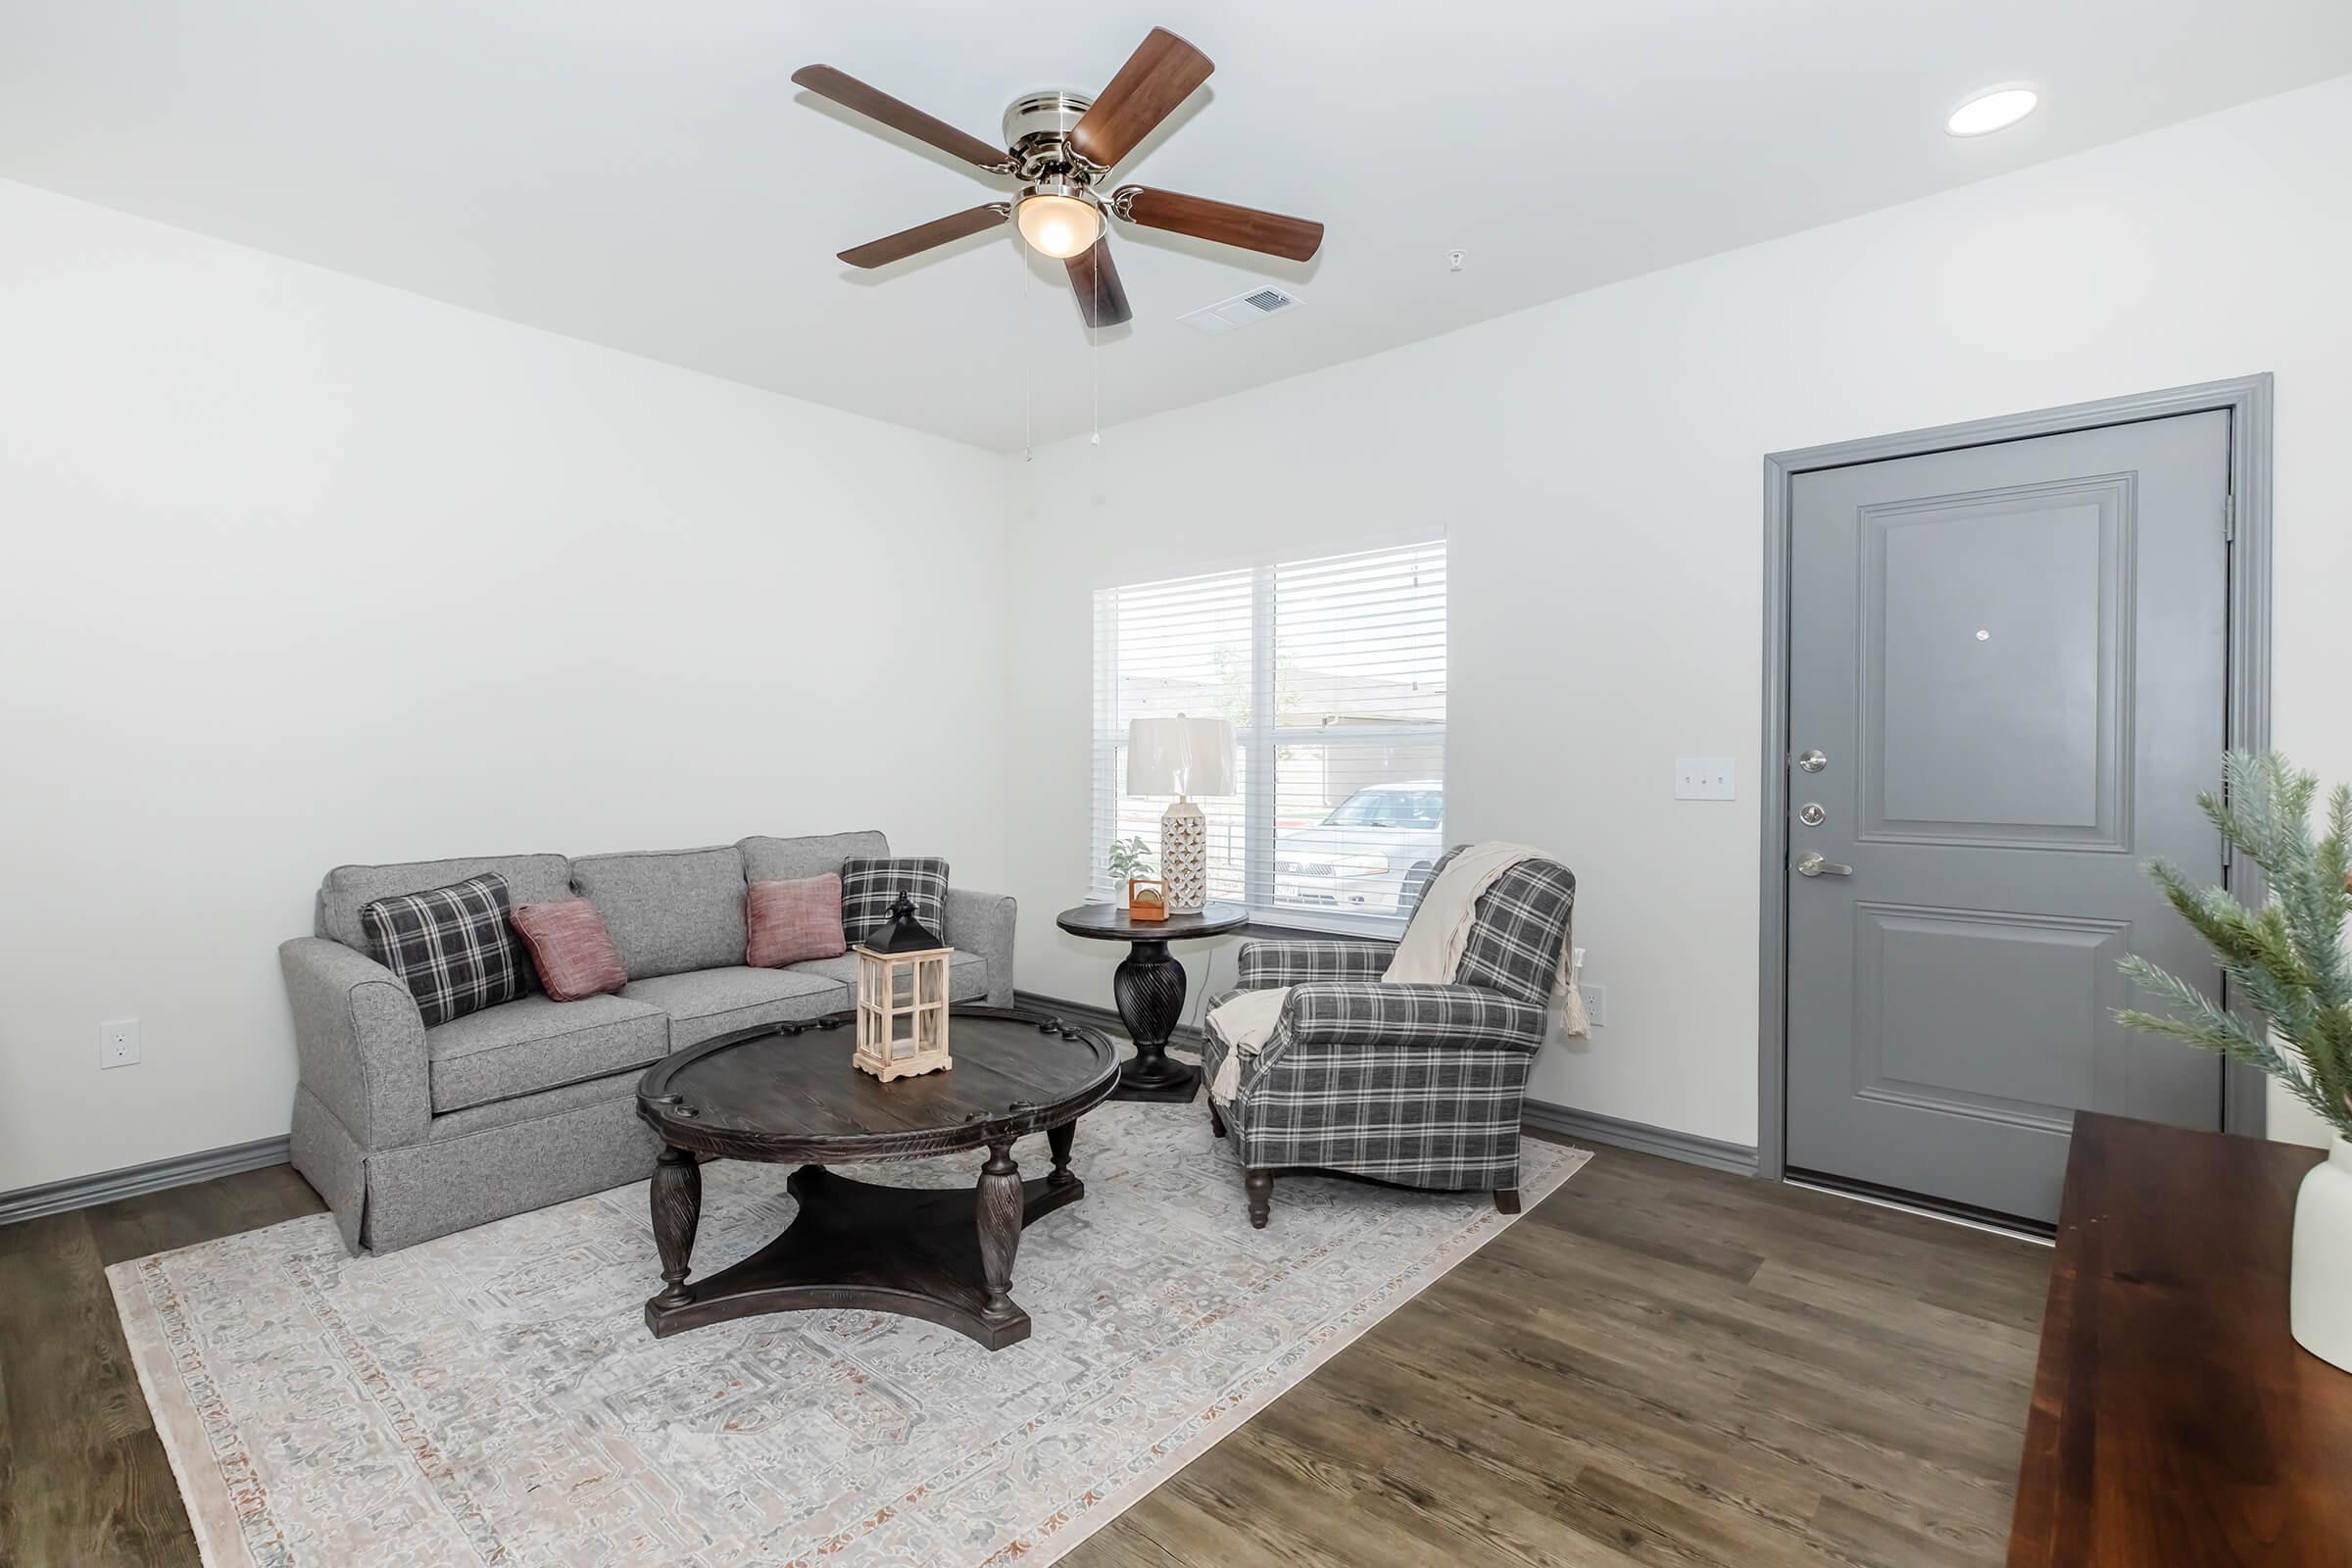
(1060, 145)
(1058, 223)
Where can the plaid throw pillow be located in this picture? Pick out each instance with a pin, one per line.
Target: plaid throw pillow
(450, 947)
(868, 888)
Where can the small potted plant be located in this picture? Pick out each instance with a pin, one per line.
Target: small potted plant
(1130, 868)
(1129, 858)
(2287, 958)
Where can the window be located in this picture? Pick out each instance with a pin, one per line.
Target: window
(1332, 672)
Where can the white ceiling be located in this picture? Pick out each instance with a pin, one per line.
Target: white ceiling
(644, 174)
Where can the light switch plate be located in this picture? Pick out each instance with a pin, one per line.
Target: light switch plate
(1703, 778)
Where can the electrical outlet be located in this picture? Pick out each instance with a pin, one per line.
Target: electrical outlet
(1596, 1004)
(1703, 778)
(118, 1042)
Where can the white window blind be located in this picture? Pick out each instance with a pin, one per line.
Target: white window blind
(1332, 672)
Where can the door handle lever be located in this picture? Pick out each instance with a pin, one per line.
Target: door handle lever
(1815, 866)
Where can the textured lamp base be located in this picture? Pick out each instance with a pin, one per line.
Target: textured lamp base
(1184, 857)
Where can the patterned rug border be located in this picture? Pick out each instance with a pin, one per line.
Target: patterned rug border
(142, 1335)
(222, 1540)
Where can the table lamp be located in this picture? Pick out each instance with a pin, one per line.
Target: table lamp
(1184, 757)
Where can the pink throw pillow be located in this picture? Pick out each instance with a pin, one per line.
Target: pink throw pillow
(570, 949)
(788, 922)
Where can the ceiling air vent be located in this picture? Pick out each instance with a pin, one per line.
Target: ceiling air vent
(1240, 311)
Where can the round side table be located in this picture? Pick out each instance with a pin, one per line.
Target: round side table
(1149, 988)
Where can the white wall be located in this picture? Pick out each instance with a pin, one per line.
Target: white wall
(300, 570)
(227, 481)
(1597, 464)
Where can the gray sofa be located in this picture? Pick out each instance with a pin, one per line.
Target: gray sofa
(410, 1133)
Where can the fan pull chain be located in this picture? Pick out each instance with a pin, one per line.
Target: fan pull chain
(1028, 354)
(1093, 348)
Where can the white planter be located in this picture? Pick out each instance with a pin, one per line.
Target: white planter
(2319, 1309)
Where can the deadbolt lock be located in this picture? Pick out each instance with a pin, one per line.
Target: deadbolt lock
(1812, 815)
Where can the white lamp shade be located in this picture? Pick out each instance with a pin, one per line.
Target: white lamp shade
(1180, 755)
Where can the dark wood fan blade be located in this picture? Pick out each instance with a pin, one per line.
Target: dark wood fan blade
(1296, 238)
(874, 103)
(923, 237)
(1101, 297)
(1162, 74)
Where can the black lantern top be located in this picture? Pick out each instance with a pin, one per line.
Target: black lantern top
(904, 933)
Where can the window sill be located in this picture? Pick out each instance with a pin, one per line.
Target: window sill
(1281, 928)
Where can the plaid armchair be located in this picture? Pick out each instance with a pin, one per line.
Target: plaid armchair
(1418, 1085)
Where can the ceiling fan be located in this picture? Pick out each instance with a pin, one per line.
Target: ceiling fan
(1060, 145)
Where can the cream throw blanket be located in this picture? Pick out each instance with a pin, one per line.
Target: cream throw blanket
(1429, 954)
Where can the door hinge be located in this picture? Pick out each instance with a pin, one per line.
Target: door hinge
(2229, 518)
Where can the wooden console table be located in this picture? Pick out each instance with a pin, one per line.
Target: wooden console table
(2174, 1421)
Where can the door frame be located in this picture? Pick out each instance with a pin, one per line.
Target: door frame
(2247, 401)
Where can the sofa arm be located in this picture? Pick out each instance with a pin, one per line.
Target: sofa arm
(1365, 1014)
(1266, 964)
(983, 923)
(360, 1040)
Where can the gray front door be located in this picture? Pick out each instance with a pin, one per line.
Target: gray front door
(2012, 661)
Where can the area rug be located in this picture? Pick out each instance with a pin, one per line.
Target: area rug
(493, 1397)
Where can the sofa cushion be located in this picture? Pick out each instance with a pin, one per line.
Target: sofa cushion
(968, 975)
(709, 1002)
(668, 911)
(348, 889)
(767, 859)
(534, 1044)
(450, 947)
(570, 949)
(869, 889)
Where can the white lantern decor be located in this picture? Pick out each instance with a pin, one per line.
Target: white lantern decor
(902, 997)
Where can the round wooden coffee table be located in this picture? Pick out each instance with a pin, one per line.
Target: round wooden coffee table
(786, 1095)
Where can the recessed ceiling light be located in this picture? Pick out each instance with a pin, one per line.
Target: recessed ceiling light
(1993, 110)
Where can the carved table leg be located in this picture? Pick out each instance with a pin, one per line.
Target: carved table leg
(1000, 1209)
(677, 1196)
(1058, 1138)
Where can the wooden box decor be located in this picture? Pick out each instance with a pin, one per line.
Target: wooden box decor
(902, 997)
(1147, 898)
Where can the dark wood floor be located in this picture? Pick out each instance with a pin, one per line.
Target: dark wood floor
(1660, 1366)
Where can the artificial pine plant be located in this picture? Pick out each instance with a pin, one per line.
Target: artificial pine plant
(2287, 958)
